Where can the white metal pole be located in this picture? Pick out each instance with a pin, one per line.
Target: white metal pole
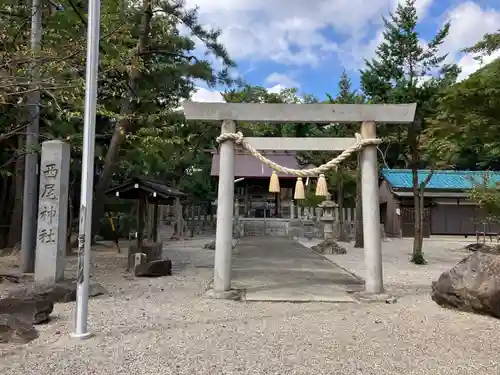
(371, 212)
(85, 229)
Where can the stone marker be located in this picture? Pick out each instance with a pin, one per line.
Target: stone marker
(15, 330)
(52, 212)
(139, 258)
(472, 285)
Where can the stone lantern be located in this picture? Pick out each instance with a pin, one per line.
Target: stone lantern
(328, 245)
(328, 217)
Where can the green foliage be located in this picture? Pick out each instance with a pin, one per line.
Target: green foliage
(486, 46)
(165, 63)
(487, 195)
(311, 199)
(465, 130)
(406, 71)
(258, 94)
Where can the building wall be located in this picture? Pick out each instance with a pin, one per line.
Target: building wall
(390, 211)
(253, 193)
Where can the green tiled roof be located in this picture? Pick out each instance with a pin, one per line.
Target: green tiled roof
(442, 179)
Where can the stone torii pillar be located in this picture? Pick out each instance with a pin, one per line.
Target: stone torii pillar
(225, 206)
(367, 114)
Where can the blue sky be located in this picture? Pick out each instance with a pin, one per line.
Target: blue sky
(307, 44)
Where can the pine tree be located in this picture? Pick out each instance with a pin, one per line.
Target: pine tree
(346, 95)
(406, 71)
(489, 44)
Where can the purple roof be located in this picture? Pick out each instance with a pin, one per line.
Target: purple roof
(248, 166)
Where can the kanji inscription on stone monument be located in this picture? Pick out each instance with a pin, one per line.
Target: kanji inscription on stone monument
(52, 212)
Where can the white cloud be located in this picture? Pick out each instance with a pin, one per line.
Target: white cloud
(275, 83)
(469, 22)
(294, 32)
(204, 95)
(469, 65)
(281, 80)
(289, 31)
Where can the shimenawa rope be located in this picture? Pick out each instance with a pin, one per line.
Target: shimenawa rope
(358, 145)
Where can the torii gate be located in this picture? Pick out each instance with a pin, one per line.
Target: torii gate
(366, 114)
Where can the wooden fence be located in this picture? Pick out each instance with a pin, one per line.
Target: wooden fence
(201, 219)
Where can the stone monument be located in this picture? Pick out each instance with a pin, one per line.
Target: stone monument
(328, 245)
(52, 212)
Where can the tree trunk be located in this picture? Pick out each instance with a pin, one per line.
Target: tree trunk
(16, 219)
(359, 240)
(4, 209)
(417, 256)
(123, 126)
(342, 229)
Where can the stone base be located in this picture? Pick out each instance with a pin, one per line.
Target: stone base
(81, 336)
(329, 246)
(375, 297)
(153, 251)
(232, 294)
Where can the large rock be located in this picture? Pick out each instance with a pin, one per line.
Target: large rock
(64, 291)
(210, 245)
(329, 247)
(156, 268)
(472, 285)
(34, 311)
(15, 330)
(483, 247)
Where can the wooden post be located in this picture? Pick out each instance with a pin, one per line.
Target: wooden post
(178, 215)
(246, 201)
(199, 222)
(225, 199)
(140, 222)
(155, 221)
(371, 212)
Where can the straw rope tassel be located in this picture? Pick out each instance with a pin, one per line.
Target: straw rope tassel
(274, 183)
(299, 189)
(321, 187)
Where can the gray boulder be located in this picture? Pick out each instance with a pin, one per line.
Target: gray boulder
(156, 268)
(473, 285)
(329, 247)
(483, 247)
(64, 291)
(210, 245)
(34, 311)
(15, 330)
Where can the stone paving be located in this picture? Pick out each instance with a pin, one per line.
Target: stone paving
(279, 269)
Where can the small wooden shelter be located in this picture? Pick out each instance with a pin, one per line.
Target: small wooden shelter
(144, 190)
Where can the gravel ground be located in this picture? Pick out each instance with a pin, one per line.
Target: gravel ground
(400, 276)
(164, 326)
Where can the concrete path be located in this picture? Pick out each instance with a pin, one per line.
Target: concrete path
(278, 269)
